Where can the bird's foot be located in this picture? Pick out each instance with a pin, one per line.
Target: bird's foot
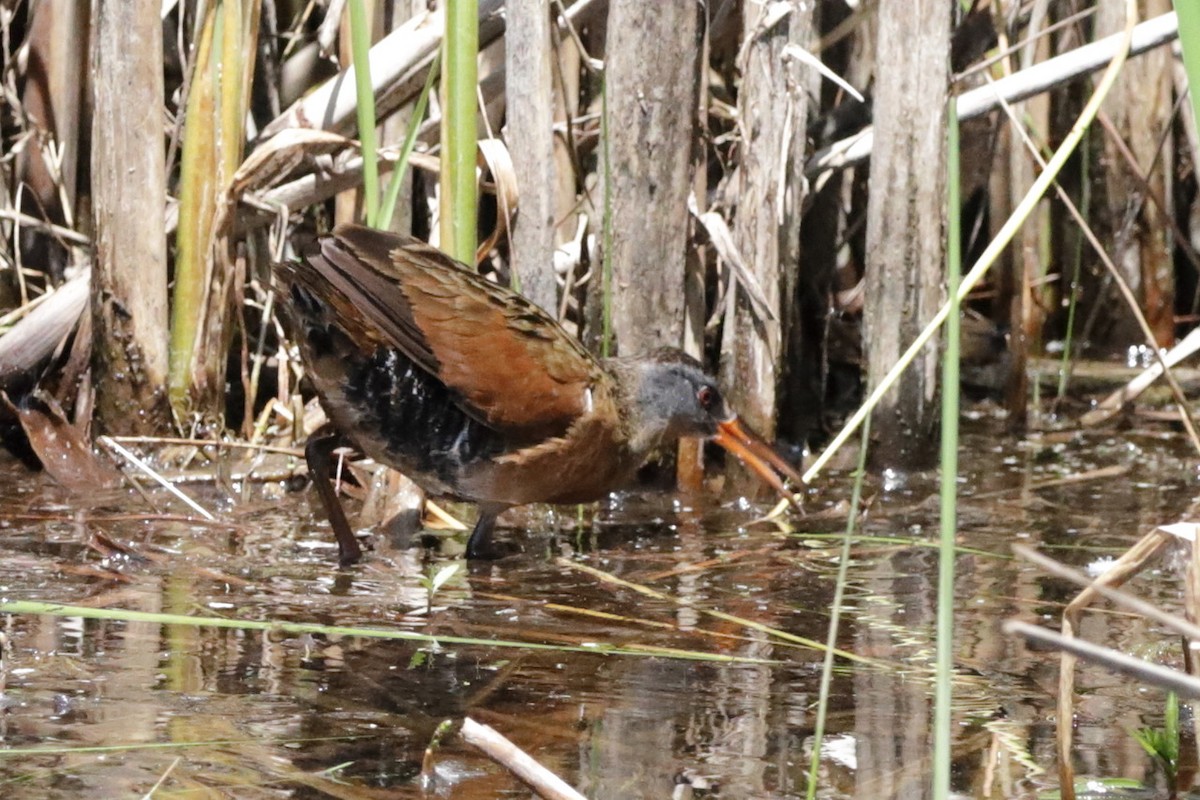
(490, 550)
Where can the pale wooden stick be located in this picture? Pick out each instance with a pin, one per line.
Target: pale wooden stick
(518, 762)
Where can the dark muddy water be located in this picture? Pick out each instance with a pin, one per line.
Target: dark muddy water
(96, 708)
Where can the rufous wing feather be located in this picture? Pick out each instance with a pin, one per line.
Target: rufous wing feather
(516, 369)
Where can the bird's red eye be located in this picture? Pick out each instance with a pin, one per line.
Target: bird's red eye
(706, 396)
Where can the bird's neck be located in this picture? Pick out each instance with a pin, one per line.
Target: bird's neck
(641, 430)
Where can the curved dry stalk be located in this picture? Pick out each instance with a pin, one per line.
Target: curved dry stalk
(1117, 596)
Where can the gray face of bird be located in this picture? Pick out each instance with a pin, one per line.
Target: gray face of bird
(675, 400)
(669, 396)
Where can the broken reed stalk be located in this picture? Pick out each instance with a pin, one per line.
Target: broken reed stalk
(1185, 414)
(994, 248)
(128, 186)
(1131, 562)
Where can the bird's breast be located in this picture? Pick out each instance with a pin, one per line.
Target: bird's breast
(583, 465)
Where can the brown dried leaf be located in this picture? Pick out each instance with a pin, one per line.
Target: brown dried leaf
(62, 448)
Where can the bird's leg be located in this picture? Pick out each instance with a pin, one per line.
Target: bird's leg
(318, 452)
(480, 545)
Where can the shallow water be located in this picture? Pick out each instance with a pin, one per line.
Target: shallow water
(105, 709)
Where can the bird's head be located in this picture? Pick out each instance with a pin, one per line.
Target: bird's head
(672, 398)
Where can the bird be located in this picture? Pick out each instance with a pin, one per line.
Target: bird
(475, 392)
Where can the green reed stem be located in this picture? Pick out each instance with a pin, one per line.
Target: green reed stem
(459, 135)
(1085, 200)
(38, 607)
(949, 458)
(360, 49)
(1188, 12)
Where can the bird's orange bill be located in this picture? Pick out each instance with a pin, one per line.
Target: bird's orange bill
(759, 456)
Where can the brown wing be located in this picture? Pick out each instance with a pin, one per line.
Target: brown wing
(516, 369)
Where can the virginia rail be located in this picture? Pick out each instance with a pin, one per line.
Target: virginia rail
(472, 391)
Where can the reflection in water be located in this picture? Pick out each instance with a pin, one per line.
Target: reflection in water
(248, 714)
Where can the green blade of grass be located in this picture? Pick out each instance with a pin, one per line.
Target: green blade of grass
(1085, 199)
(123, 615)
(388, 207)
(835, 616)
